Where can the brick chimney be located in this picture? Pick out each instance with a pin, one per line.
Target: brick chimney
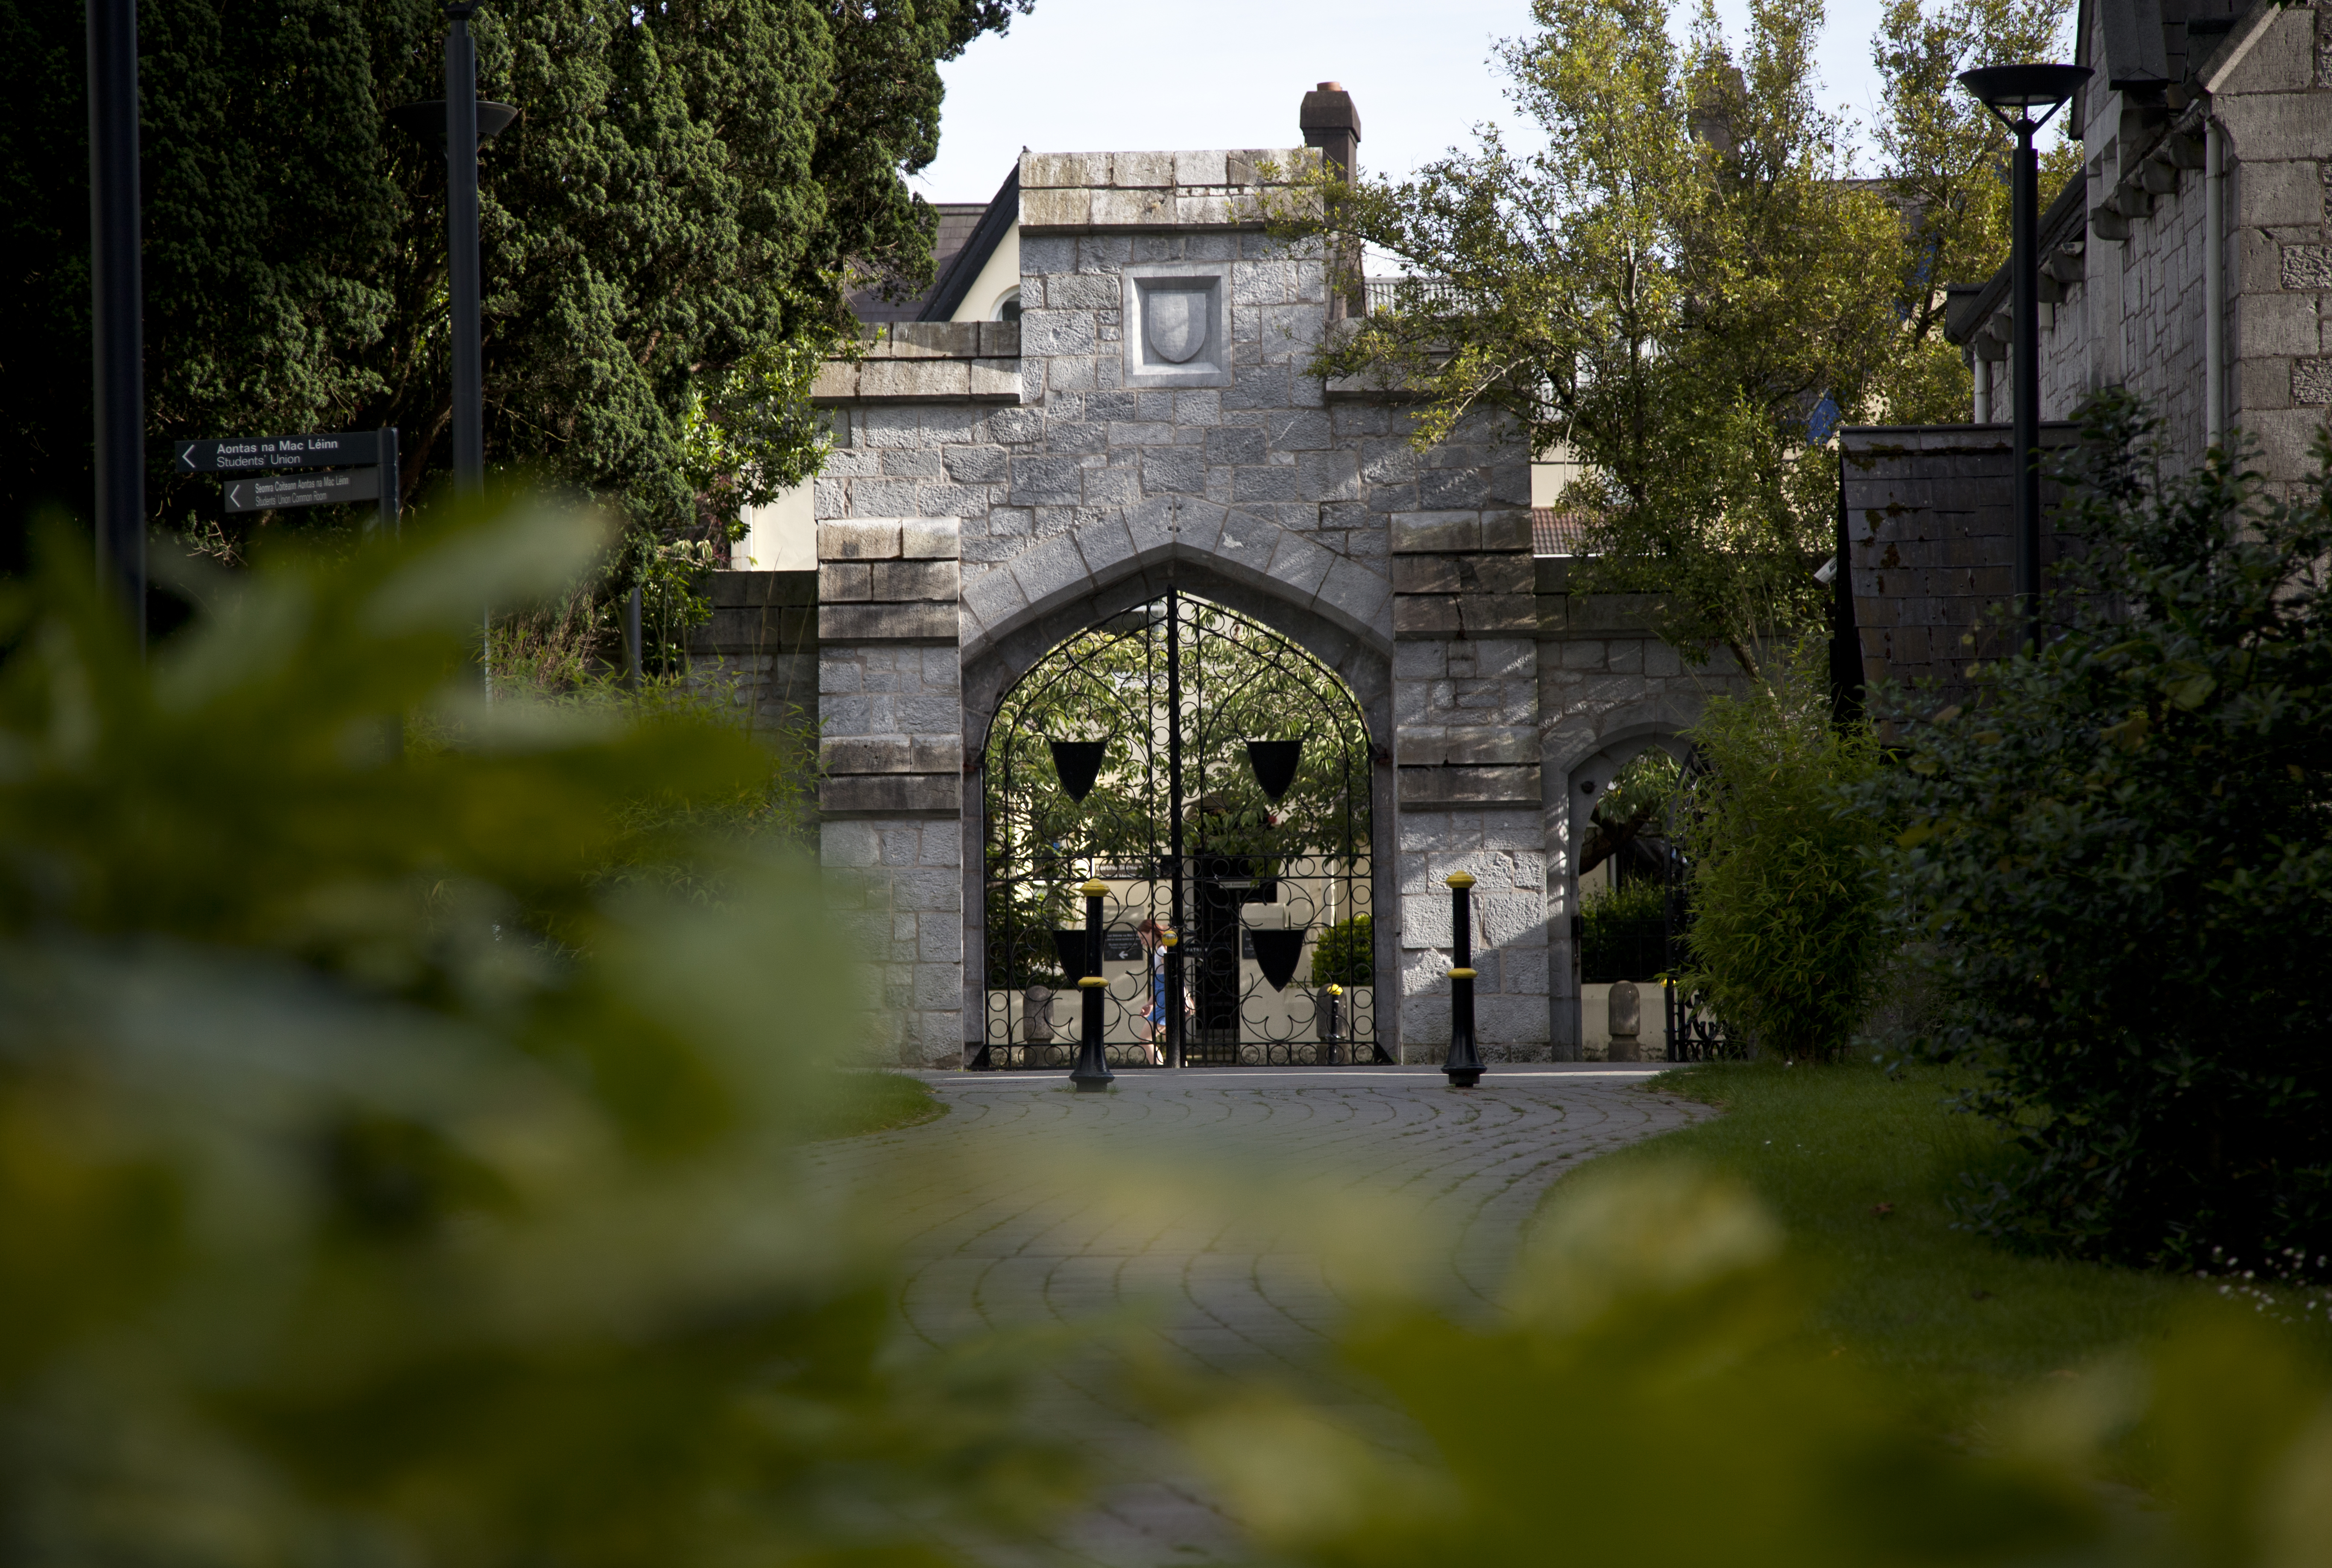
(1333, 125)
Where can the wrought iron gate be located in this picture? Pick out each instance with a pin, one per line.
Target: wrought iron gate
(1214, 777)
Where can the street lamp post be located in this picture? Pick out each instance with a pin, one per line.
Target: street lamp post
(117, 330)
(2014, 93)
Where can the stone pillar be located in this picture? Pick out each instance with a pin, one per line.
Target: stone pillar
(1467, 786)
(890, 794)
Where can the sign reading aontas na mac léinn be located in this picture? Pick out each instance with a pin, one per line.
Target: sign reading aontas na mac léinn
(232, 455)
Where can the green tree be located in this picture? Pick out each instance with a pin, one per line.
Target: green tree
(669, 229)
(1345, 953)
(1943, 156)
(1670, 285)
(1241, 681)
(1686, 285)
(2115, 850)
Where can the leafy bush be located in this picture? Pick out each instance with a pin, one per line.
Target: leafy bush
(385, 1175)
(1346, 954)
(2118, 850)
(1623, 931)
(1786, 933)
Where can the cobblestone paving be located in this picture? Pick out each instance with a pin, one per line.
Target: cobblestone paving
(997, 1237)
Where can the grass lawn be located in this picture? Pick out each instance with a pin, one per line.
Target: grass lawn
(877, 1103)
(1956, 1322)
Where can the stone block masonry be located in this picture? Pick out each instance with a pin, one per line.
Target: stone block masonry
(2126, 305)
(891, 769)
(1930, 513)
(763, 636)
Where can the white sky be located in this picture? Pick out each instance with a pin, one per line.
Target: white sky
(1089, 75)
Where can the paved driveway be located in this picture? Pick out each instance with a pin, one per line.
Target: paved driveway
(1029, 1205)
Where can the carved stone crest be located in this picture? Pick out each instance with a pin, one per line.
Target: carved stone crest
(1176, 322)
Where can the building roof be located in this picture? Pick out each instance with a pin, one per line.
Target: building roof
(1556, 533)
(954, 280)
(959, 220)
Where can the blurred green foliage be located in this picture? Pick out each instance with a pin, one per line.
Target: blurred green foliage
(1651, 1395)
(400, 1128)
(386, 1175)
(1648, 1400)
(2115, 852)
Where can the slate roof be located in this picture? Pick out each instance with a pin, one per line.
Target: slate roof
(969, 234)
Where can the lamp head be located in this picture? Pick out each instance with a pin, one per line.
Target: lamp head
(2014, 92)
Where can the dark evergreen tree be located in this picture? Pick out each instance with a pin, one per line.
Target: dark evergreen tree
(669, 230)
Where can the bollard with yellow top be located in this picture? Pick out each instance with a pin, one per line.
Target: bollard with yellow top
(1092, 1074)
(1464, 1067)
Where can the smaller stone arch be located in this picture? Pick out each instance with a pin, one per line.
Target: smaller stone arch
(1572, 762)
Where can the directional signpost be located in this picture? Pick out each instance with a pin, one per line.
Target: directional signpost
(260, 490)
(280, 489)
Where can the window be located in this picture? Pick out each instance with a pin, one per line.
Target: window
(1007, 308)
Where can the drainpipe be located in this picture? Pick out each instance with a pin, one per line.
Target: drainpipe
(2214, 281)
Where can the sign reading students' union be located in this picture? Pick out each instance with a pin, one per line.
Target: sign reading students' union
(236, 453)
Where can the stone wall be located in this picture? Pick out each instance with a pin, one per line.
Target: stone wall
(891, 763)
(2134, 313)
(763, 636)
(2277, 107)
(1930, 514)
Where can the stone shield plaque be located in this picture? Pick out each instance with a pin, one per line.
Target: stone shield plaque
(1176, 322)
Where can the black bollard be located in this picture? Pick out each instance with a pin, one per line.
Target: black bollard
(1464, 1067)
(1092, 1074)
(1173, 941)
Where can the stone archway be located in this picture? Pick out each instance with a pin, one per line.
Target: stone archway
(1577, 774)
(1336, 613)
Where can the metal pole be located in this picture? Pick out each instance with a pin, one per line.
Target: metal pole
(1092, 1074)
(385, 456)
(117, 293)
(1464, 1067)
(2214, 282)
(2024, 222)
(462, 248)
(632, 640)
(1174, 824)
(462, 265)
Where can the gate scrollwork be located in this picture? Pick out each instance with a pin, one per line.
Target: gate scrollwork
(1216, 777)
